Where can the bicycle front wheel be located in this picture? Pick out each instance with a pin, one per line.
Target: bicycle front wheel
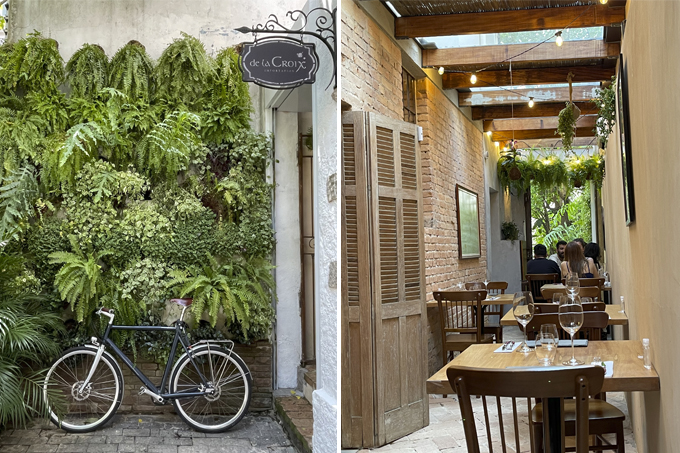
(231, 380)
(79, 409)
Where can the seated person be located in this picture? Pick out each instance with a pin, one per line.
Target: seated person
(540, 264)
(576, 261)
(559, 256)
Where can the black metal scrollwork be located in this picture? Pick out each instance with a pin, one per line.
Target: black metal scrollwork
(323, 20)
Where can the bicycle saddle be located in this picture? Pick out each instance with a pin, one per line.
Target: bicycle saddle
(182, 302)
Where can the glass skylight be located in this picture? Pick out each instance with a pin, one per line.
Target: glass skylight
(522, 37)
(534, 87)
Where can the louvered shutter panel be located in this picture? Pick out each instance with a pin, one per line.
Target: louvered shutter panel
(382, 195)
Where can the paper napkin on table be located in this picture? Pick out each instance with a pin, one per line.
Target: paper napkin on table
(609, 367)
(514, 346)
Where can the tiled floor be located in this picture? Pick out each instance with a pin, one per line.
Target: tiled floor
(445, 432)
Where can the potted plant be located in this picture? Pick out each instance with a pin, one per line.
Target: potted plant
(605, 100)
(509, 232)
(566, 124)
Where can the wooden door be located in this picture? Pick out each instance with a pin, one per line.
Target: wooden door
(385, 369)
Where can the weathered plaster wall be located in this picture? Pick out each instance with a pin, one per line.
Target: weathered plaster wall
(288, 270)
(451, 151)
(642, 258)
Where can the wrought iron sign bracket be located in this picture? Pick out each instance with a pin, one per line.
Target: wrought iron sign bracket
(325, 30)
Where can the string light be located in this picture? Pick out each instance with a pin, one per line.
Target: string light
(441, 70)
(558, 39)
(497, 144)
(473, 79)
(531, 103)
(488, 133)
(604, 2)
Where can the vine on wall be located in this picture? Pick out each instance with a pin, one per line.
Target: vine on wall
(126, 182)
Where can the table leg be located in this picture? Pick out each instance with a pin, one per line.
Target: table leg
(553, 437)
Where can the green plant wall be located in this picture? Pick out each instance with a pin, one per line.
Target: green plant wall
(126, 182)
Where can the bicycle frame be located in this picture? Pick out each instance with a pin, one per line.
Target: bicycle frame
(158, 393)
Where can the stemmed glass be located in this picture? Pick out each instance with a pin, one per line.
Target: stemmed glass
(523, 309)
(573, 284)
(571, 319)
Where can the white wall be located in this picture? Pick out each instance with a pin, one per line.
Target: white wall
(325, 118)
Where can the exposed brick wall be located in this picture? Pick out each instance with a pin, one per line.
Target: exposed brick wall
(258, 358)
(451, 152)
(371, 65)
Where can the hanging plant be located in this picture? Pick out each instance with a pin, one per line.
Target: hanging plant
(605, 100)
(511, 170)
(548, 171)
(131, 71)
(34, 64)
(509, 232)
(566, 125)
(88, 71)
(582, 169)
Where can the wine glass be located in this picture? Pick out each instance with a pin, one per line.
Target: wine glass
(523, 309)
(571, 319)
(573, 284)
(546, 348)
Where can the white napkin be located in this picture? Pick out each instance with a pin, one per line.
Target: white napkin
(514, 346)
(609, 368)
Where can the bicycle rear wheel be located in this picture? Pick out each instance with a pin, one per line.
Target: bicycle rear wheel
(79, 411)
(232, 382)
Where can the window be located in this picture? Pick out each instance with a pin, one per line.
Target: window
(408, 84)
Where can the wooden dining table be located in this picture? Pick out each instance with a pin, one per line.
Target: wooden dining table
(629, 374)
(548, 290)
(616, 318)
(499, 299)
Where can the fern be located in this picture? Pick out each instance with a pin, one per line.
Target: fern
(227, 107)
(20, 138)
(7, 76)
(184, 71)
(35, 64)
(131, 71)
(17, 200)
(170, 145)
(52, 108)
(88, 71)
(79, 281)
(79, 146)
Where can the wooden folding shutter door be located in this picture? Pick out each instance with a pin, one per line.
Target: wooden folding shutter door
(383, 383)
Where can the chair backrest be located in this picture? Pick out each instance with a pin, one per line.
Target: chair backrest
(554, 308)
(456, 313)
(595, 281)
(535, 281)
(593, 323)
(590, 291)
(495, 288)
(579, 383)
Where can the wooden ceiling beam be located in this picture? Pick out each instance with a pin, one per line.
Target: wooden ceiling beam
(528, 76)
(507, 21)
(531, 134)
(555, 142)
(546, 52)
(515, 124)
(521, 96)
(524, 111)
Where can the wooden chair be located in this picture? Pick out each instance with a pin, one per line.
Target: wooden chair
(493, 289)
(591, 329)
(554, 308)
(461, 326)
(535, 281)
(579, 383)
(595, 281)
(585, 291)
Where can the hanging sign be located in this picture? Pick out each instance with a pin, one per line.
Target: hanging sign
(279, 63)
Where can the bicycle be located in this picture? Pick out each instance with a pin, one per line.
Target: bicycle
(210, 385)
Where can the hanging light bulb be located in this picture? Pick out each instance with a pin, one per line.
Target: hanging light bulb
(441, 70)
(497, 144)
(531, 103)
(488, 133)
(604, 2)
(473, 79)
(559, 39)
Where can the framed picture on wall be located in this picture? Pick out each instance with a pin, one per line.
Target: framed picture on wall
(469, 243)
(623, 118)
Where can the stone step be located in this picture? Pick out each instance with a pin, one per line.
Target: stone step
(297, 417)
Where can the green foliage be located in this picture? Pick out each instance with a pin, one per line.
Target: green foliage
(590, 168)
(131, 71)
(508, 163)
(605, 100)
(509, 231)
(227, 106)
(170, 146)
(79, 281)
(20, 136)
(26, 343)
(80, 146)
(566, 125)
(183, 72)
(561, 213)
(43, 239)
(18, 195)
(34, 64)
(547, 172)
(87, 71)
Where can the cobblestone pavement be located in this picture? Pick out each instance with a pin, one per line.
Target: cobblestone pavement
(151, 434)
(445, 432)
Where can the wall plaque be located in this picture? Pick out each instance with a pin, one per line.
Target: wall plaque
(279, 63)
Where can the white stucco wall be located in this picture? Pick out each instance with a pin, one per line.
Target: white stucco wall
(325, 117)
(288, 267)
